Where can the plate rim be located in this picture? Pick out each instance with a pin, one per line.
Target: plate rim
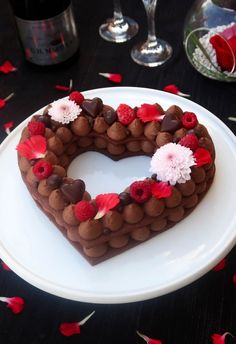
(70, 293)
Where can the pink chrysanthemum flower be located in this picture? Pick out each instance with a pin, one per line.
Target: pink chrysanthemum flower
(172, 163)
(64, 111)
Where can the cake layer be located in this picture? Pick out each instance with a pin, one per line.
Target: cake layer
(182, 154)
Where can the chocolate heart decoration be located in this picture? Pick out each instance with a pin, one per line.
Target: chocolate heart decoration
(92, 107)
(74, 191)
(110, 116)
(171, 123)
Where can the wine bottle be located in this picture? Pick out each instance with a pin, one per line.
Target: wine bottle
(47, 30)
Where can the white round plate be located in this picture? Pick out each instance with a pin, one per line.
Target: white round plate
(34, 248)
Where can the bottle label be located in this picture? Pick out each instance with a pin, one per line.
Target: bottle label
(49, 41)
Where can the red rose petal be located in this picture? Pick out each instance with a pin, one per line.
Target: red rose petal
(220, 266)
(65, 88)
(62, 88)
(202, 157)
(7, 67)
(33, 148)
(16, 303)
(174, 89)
(105, 202)
(2, 103)
(117, 78)
(5, 266)
(219, 339)
(7, 126)
(147, 339)
(161, 190)
(149, 113)
(69, 329)
(234, 278)
(171, 89)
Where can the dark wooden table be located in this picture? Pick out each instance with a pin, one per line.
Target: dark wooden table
(187, 316)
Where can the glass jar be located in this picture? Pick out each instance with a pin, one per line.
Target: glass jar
(210, 38)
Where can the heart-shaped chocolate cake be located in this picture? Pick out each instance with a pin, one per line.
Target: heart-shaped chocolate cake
(181, 170)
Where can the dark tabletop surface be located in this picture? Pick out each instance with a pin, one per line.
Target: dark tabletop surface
(187, 316)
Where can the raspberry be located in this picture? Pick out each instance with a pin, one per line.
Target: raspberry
(140, 191)
(84, 211)
(125, 114)
(189, 120)
(42, 169)
(36, 128)
(77, 97)
(190, 141)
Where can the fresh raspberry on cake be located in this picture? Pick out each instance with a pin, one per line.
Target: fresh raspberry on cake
(36, 128)
(77, 97)
(125, 114)
(84, 211)
(190, 141)
(140, 191)
(189, 120)
(42, 169)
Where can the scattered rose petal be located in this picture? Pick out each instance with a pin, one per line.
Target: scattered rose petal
(5, 266)
(161, 190)
(65, 88)
(234, 278)
(220, 266)
(4, 101)
(105, 202)
(69, 329)
(174, 89)
(7, 67)
(7, 126)
(202, 157)
(219, 339)
(233, 119)
(117, 78)
(149, 113)
(33, 148)
(147, 339)
(16, 303)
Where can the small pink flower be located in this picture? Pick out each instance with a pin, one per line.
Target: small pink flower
(147, 339)
(174, 89)
(172, 163)
(64, 111)
(69, 329)
(16, 303)
(219, 339)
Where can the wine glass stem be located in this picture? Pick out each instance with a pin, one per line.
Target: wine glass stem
(150, 7)
(117, 10)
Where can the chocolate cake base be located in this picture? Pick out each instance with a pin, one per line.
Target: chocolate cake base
(126, 228)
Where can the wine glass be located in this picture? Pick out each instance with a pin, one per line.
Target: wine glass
(119, 28)
(154, 52)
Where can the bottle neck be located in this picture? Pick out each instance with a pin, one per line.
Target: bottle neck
(229, 4)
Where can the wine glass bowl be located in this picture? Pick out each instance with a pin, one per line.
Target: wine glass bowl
(154, 51)
(119, 28)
